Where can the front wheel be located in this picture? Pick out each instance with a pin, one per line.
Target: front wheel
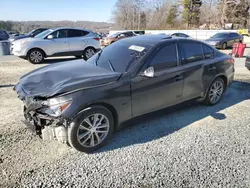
(36, 56)
(215, 92)
(91, 130)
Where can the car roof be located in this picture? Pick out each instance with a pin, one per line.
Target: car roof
(147, 39)
(71, 28)
(153, 40)
(227, 32)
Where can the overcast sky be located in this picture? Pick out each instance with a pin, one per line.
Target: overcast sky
(25, 10)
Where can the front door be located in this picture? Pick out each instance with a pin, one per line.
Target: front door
(164, 88)
(59, 43)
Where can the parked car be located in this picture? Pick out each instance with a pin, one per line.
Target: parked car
(57, 42)
(247, 63)
(224, 40)
(115, 37)
(139, 32)
(84, 102)
(180, 35)
(3, 35)
(32, 33)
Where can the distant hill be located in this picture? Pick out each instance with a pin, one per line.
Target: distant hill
(26, 26)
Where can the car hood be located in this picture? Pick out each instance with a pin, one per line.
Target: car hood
(63, 77)
(20, 37)
(27, 39)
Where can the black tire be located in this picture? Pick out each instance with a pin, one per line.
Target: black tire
(36, 53)
(224, 46)
(208, 100)
(87, 54)
(73, 130)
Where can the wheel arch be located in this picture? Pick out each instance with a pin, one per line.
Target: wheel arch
(105, 105)
(36, 48)
(223, 77)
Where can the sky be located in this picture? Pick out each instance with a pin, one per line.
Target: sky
(54, 10)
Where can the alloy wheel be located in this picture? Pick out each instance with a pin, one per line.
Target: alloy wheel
(216, 91)
(89, 53)
(93, 130)
(36, 56)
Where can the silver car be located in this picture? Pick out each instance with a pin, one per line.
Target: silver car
(57, 42)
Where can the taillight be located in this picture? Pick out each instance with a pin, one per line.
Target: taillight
(96, 39)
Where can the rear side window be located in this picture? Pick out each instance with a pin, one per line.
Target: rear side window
(190, 52)
(85, 33)
(165, 58)
(76, 33)
(208, 52)
(128, 34)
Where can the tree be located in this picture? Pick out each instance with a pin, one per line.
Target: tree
(234, 11)
(172, 15)
(191, 12)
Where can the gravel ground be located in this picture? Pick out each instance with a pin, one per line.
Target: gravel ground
(190, 145)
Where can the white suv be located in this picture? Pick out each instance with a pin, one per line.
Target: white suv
(57, 42)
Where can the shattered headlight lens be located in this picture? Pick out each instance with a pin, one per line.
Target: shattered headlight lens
(56, 106)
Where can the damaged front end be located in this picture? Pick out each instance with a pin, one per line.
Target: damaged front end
(44, 117)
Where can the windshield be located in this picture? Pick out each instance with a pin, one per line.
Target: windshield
(114, 35)
(43, 34)
(220, 35)
(120, 56)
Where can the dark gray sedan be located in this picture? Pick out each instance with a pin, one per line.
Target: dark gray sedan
(83, 103)
(224, 40)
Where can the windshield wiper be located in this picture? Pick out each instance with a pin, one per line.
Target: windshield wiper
(111, 66)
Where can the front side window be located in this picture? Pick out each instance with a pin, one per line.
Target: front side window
(190, 52)
(165, 58)
(59, 34)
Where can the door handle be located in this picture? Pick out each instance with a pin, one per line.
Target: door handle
(212, 68)
(177, 78)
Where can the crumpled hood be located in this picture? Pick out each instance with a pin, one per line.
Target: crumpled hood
(63, 77)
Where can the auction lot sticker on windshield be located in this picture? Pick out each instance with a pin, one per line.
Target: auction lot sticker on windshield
(136, 48)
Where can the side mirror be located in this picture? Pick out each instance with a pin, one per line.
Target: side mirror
(149, 72)
(50, 37)
(32, 35)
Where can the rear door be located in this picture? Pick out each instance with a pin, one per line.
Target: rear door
(192, 63)
(77, 40)
(162, 90)
(232, 39)
(58, 44)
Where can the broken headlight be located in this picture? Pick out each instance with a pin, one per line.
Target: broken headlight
(55, 106)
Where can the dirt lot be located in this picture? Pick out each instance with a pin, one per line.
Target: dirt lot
(188, 146)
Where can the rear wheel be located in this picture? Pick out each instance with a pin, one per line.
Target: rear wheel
(88, 53)
(91, 130)
(36, 56)
(215, 92)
